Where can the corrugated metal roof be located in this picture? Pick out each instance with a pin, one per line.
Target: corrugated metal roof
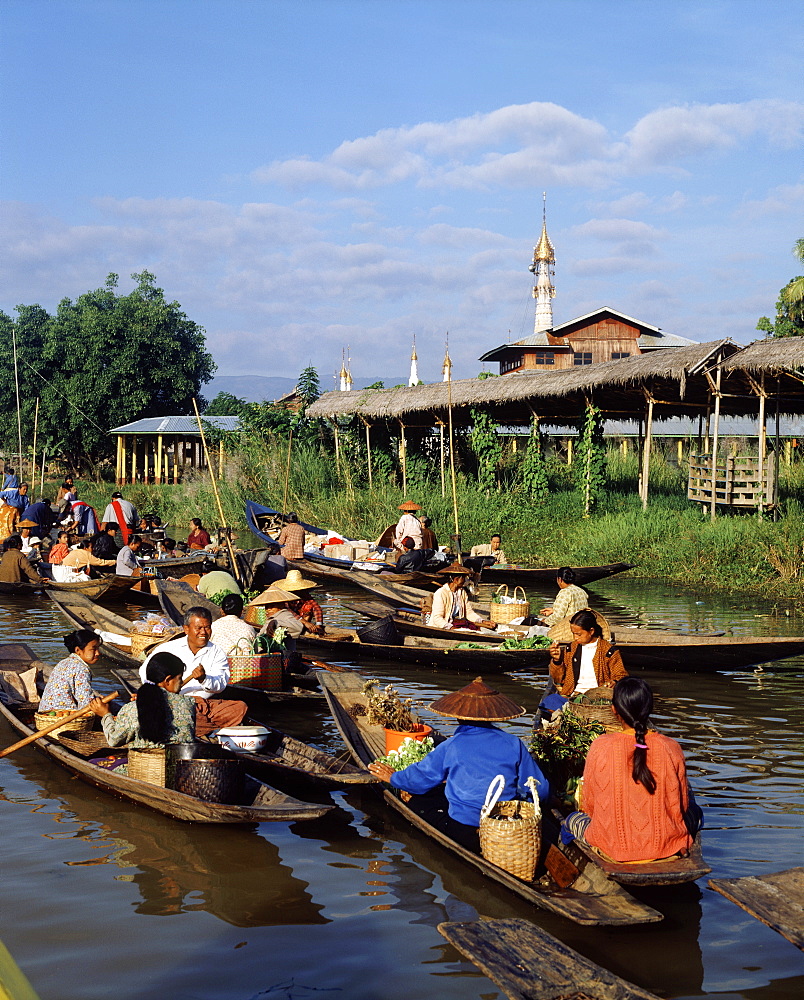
(183, 426)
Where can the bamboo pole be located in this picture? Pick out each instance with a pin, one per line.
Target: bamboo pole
(403, 448)
(441, 435)
(220, 459)
(287, 474)
(42, 473)
(158, 469)
(33, 446)
(235, 567)
(763, 447)
(715, 432)
(17, 387)
(646, 448)
(452, 462)
(133, 460)
(60, 722)
(368, 451)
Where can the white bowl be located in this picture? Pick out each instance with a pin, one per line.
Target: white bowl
(250, 738)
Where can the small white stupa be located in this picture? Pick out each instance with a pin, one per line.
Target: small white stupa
(543, 269)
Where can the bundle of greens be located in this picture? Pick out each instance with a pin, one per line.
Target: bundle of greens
(560, 750)
(529, 642)
(409, 752)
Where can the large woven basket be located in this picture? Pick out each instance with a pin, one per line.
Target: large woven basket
(254, 614)
(140, 641)
(510, 837)
(152, 764)
(595, 713)
(505, 613)
(257, 671)
(210, 780)
(44, 719)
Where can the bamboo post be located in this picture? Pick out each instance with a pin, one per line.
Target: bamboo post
(158, 468)
(176, 460)
(441, 435)
(56, 725)
(42, 473)
(569, 451)
(452, 461)
(715, 432)
(134, 460)
(763, 447)
(368, 450)
(17, 387)
(117, 476)
(235, 567)
(403, 454)
(337, 447)
(287, 474)
(776, 458)
(646, 448)
(680, 452)
(33, 446)
(220, 459)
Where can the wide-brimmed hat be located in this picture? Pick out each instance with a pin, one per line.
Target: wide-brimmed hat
(477, 702)
(27, 524)
(561, 631)
(409, 505)
(454, 569)
(273, 595)
(294, 581)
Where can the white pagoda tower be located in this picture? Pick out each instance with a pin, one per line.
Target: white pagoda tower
(414, 366)
(543, 269)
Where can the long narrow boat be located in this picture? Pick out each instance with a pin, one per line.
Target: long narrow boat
(259, 803)
(777, 900)
(181, 565)
(287, 758)
(527, 963)
(602, 901)
(647, 649)
(85, 614)
(344, 643)
(111, 587)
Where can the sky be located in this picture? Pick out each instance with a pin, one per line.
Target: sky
(317, 176)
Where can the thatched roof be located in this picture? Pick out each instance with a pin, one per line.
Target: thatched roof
(773, 354)
(615, 385)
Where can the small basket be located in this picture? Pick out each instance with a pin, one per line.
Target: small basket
(254, 614)
(382, 632)
(44, 719)
(594, 713)
(510, 832)
(85, 743)
(502, 614)
(255, 670)
(152, 764)
(140, 641)
(210, 780)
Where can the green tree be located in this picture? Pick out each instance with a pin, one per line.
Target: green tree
(104, 360)
(486, 445)
(308, 387)
(225, 405)
(793, 293)
(534, 469)
(789, 321)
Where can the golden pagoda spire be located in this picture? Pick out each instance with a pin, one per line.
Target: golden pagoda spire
(446, 368)
(414, 365)
(543, 269)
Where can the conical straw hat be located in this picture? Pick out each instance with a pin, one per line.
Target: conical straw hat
(294, 581)
(409, 505)
(273, 595)
(561, 631)
(477, 703)
(454, 569)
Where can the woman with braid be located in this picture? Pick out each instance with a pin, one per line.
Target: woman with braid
(637, 805)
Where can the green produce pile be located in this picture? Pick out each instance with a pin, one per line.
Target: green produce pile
(532, 642)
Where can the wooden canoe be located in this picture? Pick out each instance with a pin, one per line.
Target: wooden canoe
(602, 901)
(106, 586)
(86, 614)
(289, 758)
(777, 900)
(645, 649)
(653, 873)
(527, 963)
(181, 565)
(532, 576)
(260, 802)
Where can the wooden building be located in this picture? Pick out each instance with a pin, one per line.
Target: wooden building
(164, 449)
(603, 335)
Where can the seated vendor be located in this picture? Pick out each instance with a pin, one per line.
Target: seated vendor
(491, 553)
(468, 762)
(412, 559)
(451, 609)
(206, 675)
(587, 660)
(229, 632)
(160, 715)
(305, 607)
(570, 598)
(637, 805)
(216, 581)
(14, 566)
(278, 615)
(69, 686)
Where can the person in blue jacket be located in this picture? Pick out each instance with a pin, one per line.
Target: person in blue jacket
(449, 786)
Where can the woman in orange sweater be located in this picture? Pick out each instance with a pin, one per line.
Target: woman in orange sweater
(637, 805)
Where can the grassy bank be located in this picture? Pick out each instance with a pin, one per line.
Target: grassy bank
(674, 539)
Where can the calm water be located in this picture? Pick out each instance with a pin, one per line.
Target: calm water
(103, 899)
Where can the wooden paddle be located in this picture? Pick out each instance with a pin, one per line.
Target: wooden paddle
(333, 668)
(49, 729)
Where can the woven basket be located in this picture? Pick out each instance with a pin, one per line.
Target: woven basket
(44, 719)
(255, 615)
(152, 764)
(504, 613)
(210, 780)
(510, 834)
(595, 713)
(86, 743)
(263, 672)
(141, 640)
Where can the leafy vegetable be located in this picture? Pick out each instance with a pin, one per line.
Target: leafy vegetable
(410, 751)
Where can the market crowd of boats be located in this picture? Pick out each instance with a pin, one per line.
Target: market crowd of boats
(226, 634)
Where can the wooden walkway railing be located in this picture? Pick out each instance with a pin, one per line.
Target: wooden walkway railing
(737, 482)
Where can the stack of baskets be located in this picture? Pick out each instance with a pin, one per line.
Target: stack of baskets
(505, 611)
(83, 725)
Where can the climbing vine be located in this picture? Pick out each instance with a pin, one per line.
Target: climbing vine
(591, 459)
(487, 447)
(534, 470)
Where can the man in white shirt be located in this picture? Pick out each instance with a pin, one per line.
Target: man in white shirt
(119, 506)
(207, 674)
(127, 563)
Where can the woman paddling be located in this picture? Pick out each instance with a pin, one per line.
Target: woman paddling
(570, 597)
(637, 805)
(160, 715)
(467, 762)
(69, 686)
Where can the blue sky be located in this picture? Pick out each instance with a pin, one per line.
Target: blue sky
(302, 176)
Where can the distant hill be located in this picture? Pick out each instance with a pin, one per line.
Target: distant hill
(257, 388)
